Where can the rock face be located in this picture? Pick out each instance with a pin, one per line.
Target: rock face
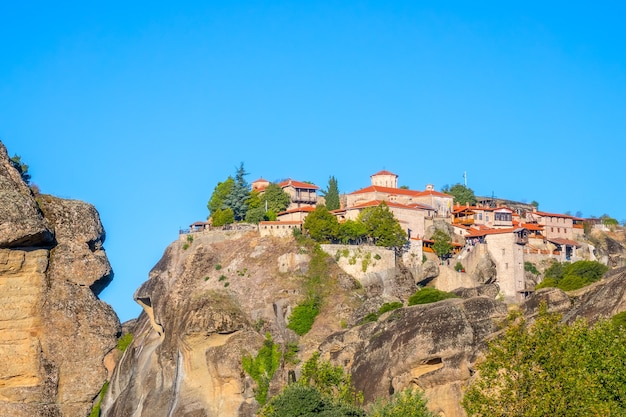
(208, 305)
(54, 332)
(432, 346)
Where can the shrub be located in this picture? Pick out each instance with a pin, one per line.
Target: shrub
(262, 367)
(383, 309)
(458, 267)
(222, 278)
(291, 353)
(407, 403)
(530, 267)
(124, 341)
(218, 267)
(572, 276)
(619, 319)
(185, 246)
(302, 317)
(429, 295)
(95, 411)
(298, 400)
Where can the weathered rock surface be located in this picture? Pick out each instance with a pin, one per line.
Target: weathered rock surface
(54, 332)
(432, 346)
(602, 299)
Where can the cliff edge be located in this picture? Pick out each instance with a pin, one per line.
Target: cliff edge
(54, 331)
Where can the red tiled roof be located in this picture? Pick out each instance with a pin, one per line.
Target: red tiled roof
(387, 190)
(433, 193)
(383, 172)
(298, 184)
(280, 222)
(489, 231)
(376, 203)
(560, 241)
(307, 209)
(545, 214)
(260, 180)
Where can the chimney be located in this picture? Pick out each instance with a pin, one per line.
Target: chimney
(429, 187)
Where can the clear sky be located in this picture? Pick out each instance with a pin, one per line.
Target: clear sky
(140, 108)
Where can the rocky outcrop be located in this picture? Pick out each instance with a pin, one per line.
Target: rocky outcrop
(54, 332)
(602, 299)
(432, 346)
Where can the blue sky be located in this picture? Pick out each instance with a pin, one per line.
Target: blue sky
(140, 108)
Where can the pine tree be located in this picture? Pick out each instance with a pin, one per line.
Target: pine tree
(332, 195)
(239, 194)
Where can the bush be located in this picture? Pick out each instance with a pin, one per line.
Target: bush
(124, 341)
(530, 267)
(407, 403)
(567, 277)
(262, 367)
(459, 267)
(302, 317)
(303, 401)
(429, 295)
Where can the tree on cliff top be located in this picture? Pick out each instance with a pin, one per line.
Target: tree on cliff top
(22, 168)
(461, 194)
(383, 227)
(331, 194)
(233, 193)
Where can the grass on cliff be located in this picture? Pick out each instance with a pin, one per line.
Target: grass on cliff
(303, 315)
(429, 295)
(95, 411)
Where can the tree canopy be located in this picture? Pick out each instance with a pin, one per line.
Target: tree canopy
(442, 243)
(461, 193)
(550, 368)
(22, 168)
(381, 225)
(331, 194)
(572, 276)
(237, 198)
(321, 225)
(267, 204)
(220, 193)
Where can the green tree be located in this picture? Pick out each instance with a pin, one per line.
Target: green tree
(276, 198)
(237, 198)
(306, 401)
(331, 195)
(351, 232)
(407, 403)
(321, 225)
(22, 168)
(331, 381)
(550, 368)
(461, 193)
(442, 243)
(262, 367)
(534, 203)
(220, 193)
(223, 217)
(572, 276)
(383, 227)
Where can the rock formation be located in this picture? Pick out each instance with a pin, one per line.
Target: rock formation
(54, 332)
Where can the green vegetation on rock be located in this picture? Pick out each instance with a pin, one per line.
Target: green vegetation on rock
(572, 276)
(262, 367)
(429, 295)
(124, 341)
(407, 403)
(550, 368)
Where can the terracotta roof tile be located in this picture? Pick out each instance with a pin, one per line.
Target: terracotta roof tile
(383, 172)
(298, 184)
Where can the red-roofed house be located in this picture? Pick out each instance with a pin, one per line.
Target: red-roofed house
(302, 194)
(296, 214)
(385, 188)
(554, 225)
(260, 184)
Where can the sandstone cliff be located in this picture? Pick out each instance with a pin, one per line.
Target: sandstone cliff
(212, 298)
(54, 332)
(208, 305)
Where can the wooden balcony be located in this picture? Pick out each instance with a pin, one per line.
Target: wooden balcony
(466, 221)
